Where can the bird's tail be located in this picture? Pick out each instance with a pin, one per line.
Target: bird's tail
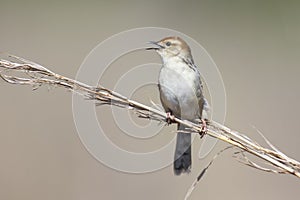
(182, 158)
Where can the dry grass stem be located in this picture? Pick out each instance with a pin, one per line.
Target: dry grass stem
(35, 75)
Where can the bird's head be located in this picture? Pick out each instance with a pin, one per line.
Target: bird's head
(171, 47)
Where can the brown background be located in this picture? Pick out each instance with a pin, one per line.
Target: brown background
(256, 45)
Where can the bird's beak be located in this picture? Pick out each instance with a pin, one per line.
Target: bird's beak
(157, 46)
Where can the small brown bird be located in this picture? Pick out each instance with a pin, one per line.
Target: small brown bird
(181, 94)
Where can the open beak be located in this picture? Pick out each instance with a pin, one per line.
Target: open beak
(156, 47)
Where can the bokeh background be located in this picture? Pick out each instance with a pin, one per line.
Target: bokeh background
(256, 45)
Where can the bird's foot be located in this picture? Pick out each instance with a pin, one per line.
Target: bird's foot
(203, 128)
(170, 118)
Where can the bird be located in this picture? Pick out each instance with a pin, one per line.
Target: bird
(181, 94)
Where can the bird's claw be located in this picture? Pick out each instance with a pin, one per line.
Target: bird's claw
(169, 118)
(203, 130)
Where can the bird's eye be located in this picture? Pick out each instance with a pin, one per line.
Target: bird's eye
(168, 44)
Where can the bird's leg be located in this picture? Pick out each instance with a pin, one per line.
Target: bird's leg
(170, 118)
(203, 128)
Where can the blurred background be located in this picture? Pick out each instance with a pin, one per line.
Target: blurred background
(255, 44)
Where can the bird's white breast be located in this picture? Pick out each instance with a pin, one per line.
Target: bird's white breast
(180, 88)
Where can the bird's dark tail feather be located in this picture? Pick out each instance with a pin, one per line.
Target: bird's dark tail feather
(182, 158)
